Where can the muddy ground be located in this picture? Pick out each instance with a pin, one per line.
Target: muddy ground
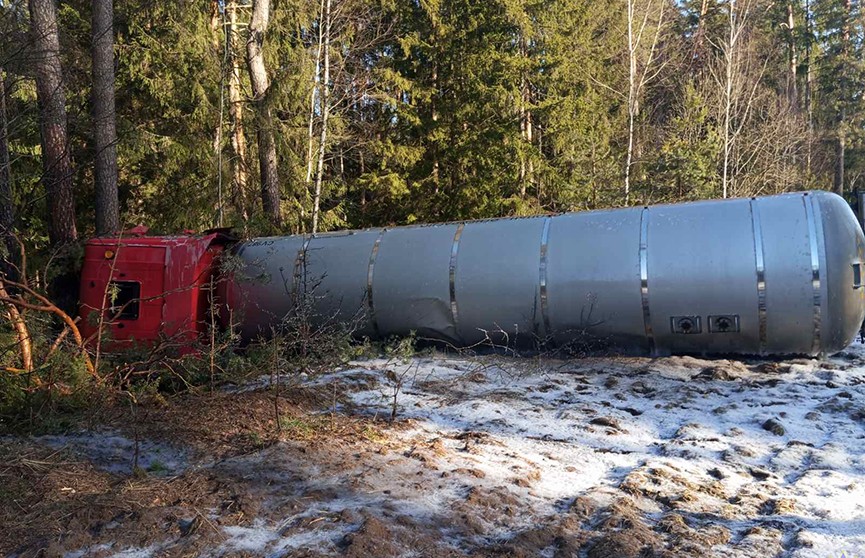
(440, 457)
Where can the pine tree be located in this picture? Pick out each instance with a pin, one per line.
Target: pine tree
(51, 91)
(105, 119)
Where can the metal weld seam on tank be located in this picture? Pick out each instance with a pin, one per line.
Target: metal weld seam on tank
(545, 315)
(644, 278)
(808, 201)
(452, 275)
(760, 263)
(369, 277)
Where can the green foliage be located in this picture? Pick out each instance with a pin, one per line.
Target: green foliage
(686, 165)
(168, 113)
(51, 396)
(400, 348)
(446, 109)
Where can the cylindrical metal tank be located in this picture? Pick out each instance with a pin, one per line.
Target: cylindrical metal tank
(770, 275)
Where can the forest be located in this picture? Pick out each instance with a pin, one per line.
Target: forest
(312, 437)
(298, 116)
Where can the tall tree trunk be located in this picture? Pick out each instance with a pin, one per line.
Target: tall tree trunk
(809, 84)
(310, 132)
(526, 126)
(51, 95)
(840, 156)
(792, 59)
(730, 59)
(219, 30)
(841, 132)
(7, 207)
(104, 119)
(362, 166)
(325, 114)
(215, 25)
(632, 99)
(238, 138)
(434, 114)
(7, 204)
(700, 34)
(316, 77)
(267, 161)
(638, 72)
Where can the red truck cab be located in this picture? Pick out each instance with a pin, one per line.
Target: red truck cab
(148, 289)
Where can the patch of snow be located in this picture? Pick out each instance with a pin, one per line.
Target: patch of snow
(566, 429)
(250, 539)
(146, 552)
(89, 551)
(114, 453)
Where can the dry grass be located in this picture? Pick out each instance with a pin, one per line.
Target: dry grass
(52, 501)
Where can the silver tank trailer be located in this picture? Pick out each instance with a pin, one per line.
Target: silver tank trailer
(770, 275)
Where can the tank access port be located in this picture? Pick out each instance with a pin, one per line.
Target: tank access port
(724, 324)
(686, 324)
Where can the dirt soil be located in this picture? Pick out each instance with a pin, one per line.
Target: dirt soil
(602, 458)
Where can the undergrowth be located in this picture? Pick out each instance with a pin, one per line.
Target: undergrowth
(60, 393)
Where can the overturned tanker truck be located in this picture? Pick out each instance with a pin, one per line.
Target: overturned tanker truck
(763, 276)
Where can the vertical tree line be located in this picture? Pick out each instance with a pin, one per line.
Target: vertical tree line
(371, 112)
(51, 99)
(104, 119)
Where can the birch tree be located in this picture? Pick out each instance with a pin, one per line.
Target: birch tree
(347, 91)
(324, 92)
(738, 83)
(792, 57)
(645, 23)
(313, 95)
(239, 166)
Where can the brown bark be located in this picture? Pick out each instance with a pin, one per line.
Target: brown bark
(25, 347)
(45, 305)
(51, 95)
(214, 25)
(104, 119)
(267, 160)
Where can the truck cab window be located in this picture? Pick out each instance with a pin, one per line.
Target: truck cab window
(125, 299)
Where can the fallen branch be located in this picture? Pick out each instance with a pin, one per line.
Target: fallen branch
(47, 306)
(24, 345)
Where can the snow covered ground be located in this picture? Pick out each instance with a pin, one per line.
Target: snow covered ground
(769, 446)
(600, 457)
